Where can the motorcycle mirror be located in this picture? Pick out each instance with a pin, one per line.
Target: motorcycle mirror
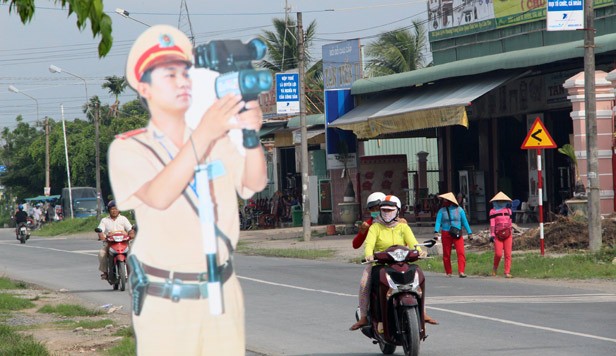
(429, 243)
(98, 230)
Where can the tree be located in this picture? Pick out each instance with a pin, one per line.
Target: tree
(100, 22)
(397, 51)
(116, 86)
(283, 55)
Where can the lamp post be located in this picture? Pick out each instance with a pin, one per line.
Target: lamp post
(55, 69)
(47, 189)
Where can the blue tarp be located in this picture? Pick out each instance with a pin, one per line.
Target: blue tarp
(43, 198)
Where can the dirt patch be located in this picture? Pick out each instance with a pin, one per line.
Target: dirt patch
(59, 335)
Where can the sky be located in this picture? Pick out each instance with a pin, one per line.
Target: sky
(52, 38)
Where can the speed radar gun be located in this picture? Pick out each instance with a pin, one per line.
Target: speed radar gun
(233, 60)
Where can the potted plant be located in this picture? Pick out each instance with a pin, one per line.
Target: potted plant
(569, 151)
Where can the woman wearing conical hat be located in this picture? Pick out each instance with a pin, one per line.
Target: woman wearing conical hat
(449, 221)
(500, 232)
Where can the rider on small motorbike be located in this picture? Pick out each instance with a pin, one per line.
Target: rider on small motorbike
(385, 232)
(21, 217)
(113, 223)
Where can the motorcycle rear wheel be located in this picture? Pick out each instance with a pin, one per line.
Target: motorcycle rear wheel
(410, 331)
(122, 272)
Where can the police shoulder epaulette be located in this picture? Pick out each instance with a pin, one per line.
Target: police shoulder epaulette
(129, 134)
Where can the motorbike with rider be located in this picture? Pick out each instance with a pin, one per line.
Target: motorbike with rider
(115, 231)
(392, 288)
(22, 230)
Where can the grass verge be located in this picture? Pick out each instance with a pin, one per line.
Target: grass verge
(14, 343)
(578, 265)
(68, 227)
(306, 254)
(70, 310)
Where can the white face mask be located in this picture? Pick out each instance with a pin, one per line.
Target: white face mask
(389, 215)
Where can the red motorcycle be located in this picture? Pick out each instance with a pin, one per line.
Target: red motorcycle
(396, 313)
(117, 271)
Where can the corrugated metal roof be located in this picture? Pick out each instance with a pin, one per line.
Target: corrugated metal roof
(509, 60)
(311, 120)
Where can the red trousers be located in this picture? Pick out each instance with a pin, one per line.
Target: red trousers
(447, 241)
(499, 246)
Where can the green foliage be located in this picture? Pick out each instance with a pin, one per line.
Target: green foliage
(69, 310)
(68, 227)
(23, 152)
(14, 343)
(100, 22)
(11, 302)
(397, 51)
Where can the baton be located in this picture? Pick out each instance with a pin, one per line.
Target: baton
(203, 175)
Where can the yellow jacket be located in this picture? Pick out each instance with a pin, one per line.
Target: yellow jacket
(380, 237)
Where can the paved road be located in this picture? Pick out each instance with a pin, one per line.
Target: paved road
(298, 307)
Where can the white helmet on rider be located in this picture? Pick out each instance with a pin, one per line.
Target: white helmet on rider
(390, 208)
(374, 199)
(391, 200)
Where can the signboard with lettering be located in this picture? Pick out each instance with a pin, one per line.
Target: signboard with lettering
(287, 93)
(565, 15)
(341, 64)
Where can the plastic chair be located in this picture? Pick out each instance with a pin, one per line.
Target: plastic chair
(515, 206)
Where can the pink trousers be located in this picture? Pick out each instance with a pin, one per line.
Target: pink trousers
(499, 246)
(447, 241)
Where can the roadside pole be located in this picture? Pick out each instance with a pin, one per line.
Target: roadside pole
(540, 199)
(539, 138)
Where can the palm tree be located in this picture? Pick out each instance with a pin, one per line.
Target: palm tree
(283, 55)
(397, 51)
(282, 49)
(116, 86)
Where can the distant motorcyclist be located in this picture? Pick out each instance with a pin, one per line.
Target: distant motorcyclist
(21, 217)
(108, 225)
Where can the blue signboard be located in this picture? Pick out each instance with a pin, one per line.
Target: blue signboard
(565, 15)
(287, 93)
(341, 64)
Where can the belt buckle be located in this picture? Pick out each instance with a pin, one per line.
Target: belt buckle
(173, 289)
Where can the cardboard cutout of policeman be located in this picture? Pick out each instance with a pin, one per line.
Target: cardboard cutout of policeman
(182, 180)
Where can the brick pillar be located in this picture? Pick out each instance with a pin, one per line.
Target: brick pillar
(604, 97)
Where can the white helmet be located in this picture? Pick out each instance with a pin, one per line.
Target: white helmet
(374, 199)
(391, 200)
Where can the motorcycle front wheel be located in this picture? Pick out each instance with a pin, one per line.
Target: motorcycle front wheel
(410, 331)
(387, 349)
(122, 272)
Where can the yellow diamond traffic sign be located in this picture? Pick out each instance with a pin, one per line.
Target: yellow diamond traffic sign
(538, 137)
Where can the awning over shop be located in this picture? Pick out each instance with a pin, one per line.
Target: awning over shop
(428, 106)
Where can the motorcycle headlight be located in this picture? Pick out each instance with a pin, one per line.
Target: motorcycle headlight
(398, 255)
(415, 286)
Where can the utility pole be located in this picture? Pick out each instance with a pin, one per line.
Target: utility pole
(98, 161)
(302, 119)
(47, 186)
(590, 97)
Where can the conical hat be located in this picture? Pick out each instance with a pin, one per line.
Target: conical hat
(500, 197)
(449, 196)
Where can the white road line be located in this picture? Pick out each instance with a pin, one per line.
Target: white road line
(296, 287)
(528, 299)
(576, 298)
(80, 252)
(524, 324)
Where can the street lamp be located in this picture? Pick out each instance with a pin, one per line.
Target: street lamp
(47, 189)
(55, 69)
(126, 15)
